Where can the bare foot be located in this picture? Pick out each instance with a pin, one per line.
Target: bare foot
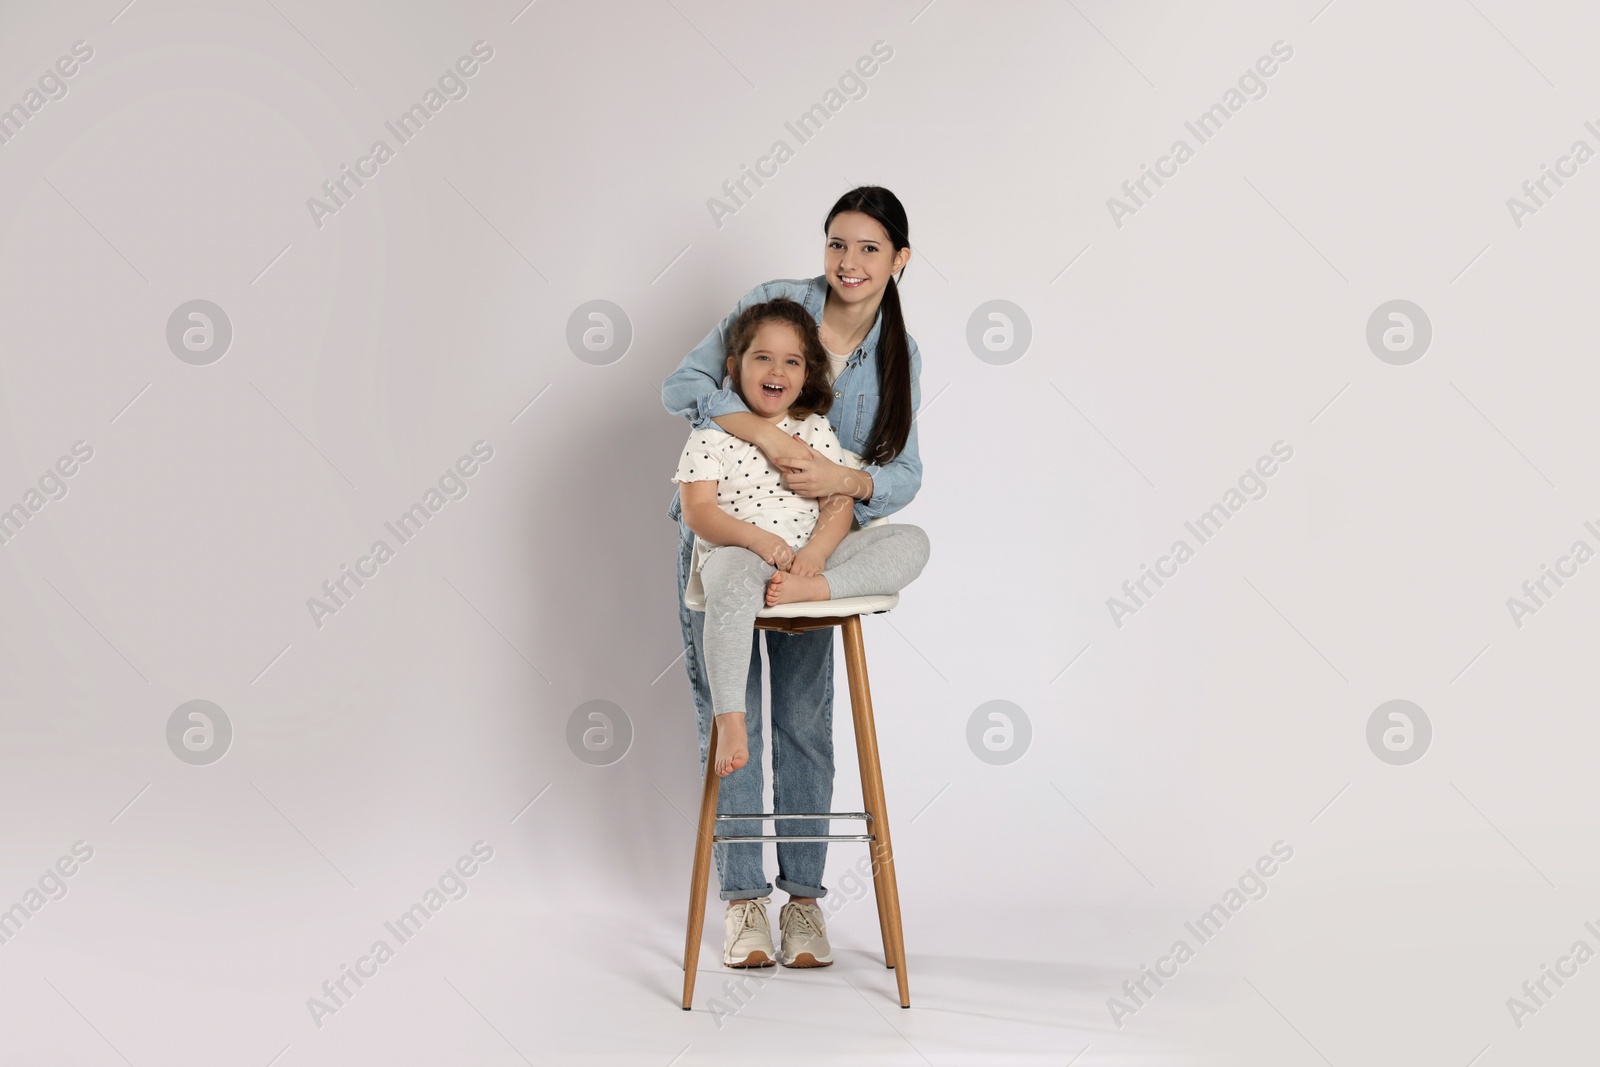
(732, 751)
(786, 588)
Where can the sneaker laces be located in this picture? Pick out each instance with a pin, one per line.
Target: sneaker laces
(751, 911)
(800, 915)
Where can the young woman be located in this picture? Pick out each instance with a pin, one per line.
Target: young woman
(874, 367)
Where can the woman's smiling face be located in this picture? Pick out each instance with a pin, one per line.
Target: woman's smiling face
(772, 370)
(859, 257)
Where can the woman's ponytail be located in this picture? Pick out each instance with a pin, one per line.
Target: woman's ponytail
(893, 424)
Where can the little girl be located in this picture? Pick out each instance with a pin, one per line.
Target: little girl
(758, 543)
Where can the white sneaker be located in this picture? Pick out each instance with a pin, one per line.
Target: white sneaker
(746, 935)
(805, 936)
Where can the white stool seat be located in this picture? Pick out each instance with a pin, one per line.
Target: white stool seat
(694, 598)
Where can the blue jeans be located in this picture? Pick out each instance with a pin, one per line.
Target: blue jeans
(802, 750)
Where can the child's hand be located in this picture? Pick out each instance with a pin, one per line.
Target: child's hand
(772, 549)
(808, 563)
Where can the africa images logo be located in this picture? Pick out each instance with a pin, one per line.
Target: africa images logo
(452, 85)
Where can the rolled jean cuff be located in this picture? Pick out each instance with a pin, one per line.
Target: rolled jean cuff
(745, 894)
(795, 889)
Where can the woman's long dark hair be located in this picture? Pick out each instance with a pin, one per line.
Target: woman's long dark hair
(893, 424)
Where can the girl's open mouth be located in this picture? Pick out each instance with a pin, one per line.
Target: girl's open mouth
(773, 391)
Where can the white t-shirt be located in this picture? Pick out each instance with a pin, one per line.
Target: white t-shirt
(836, 364)
(751, 489)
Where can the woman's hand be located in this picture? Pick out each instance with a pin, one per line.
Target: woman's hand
(815, 476)
(808, 474)
(783, 451)
(808, 563)
(771, 548)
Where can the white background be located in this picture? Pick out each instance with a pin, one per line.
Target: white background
(1167, 354)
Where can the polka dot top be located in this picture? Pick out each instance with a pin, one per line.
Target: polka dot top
(751, 489)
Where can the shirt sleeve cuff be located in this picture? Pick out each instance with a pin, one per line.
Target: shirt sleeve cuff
(882, 501)
(712, 405)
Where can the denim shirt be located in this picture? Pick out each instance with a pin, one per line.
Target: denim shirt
(697, 392)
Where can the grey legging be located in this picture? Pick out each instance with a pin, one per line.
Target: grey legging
(871, 561)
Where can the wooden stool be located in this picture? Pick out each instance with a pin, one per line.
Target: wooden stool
(800, 618)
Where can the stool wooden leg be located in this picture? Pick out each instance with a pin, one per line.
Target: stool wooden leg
(855, 658)
(877, 891)
(700, 877)
(883, 910)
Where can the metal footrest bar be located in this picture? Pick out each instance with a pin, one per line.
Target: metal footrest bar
(752, 838)
(765, 815)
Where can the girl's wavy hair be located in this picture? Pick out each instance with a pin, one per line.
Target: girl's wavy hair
(816, 396)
